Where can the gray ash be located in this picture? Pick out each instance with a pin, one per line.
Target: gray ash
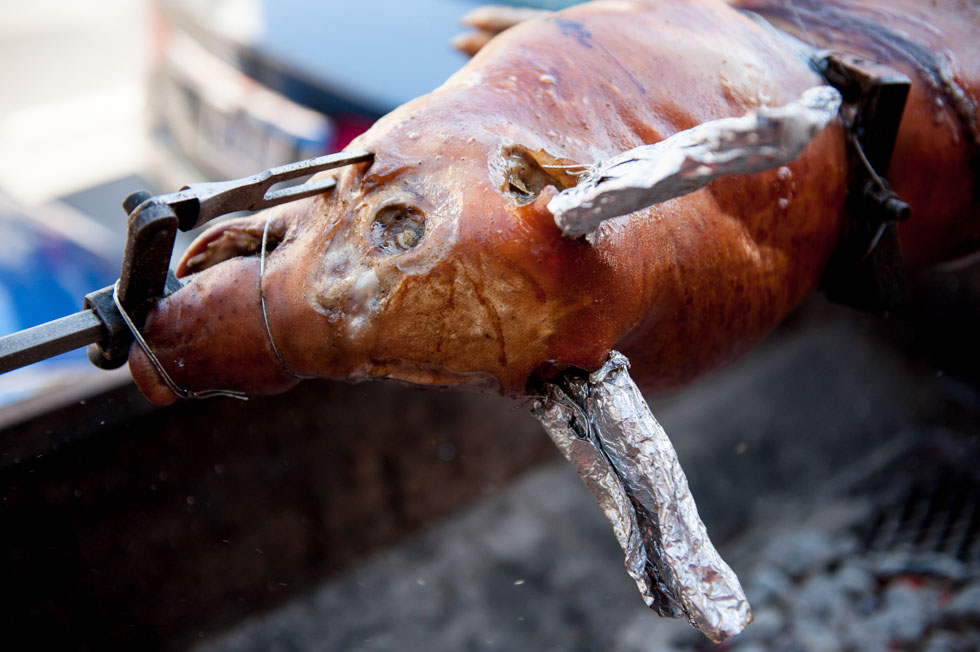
(806, 600)
(893, 565)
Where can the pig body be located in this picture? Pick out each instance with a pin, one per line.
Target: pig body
(438, 263)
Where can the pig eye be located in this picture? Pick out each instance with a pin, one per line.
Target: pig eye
(397, 228)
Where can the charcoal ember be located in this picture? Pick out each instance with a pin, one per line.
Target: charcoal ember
(950, 642)
(820, 599)
(966, 605)
(855, 581)
(814, 591)
(813, 636)
(769, 584)
(801, 551)
(768, 624)
(753, 647)
(889, 564)
(908, 608)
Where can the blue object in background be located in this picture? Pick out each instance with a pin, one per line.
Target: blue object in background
(44, 275)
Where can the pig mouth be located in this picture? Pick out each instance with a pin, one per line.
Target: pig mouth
(219, 330)
(236, 238)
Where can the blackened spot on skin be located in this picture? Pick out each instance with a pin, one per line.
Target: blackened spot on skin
(576, 30)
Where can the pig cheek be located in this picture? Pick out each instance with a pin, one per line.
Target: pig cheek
(344, 285)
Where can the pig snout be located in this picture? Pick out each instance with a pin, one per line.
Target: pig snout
(212, 333)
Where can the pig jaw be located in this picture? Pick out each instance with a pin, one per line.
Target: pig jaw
(210, 335)
(415, 268)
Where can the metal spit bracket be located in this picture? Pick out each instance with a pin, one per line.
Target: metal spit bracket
(866, 271)
(152, 228)
(145, 274)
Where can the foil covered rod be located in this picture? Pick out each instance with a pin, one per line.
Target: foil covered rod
(690, 159)
(603, 426)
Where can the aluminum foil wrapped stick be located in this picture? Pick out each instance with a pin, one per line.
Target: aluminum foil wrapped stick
(603, 426)
(690, 159)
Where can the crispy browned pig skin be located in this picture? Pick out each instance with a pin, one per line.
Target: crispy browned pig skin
(493, 293)
(936, 162)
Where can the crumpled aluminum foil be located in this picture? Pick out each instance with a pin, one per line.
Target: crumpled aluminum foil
(603, 425)
(690, 159)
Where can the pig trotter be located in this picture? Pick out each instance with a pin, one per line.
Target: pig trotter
(603, 426)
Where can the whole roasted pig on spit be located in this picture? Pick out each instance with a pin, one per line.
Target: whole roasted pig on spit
(440, 262)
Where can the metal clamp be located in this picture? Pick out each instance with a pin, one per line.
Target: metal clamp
(113, 315)
(867, 271)
(168, 381)
(150, 234)
(152, 228)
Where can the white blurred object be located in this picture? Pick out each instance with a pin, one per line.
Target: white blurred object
(71, 111)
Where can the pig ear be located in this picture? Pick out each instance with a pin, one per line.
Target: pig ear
(488, 21)
(469, 43)
(526, 173)
(564, 170)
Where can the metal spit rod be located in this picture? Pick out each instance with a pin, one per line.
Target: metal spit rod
(145, 275)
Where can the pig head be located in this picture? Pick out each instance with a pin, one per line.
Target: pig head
(436, 264)
(439, 264)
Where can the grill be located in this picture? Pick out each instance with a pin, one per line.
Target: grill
(940, 515)
(842, 477)
(900, 572)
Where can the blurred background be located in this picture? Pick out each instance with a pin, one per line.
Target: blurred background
(71, 128)
(835, 466)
